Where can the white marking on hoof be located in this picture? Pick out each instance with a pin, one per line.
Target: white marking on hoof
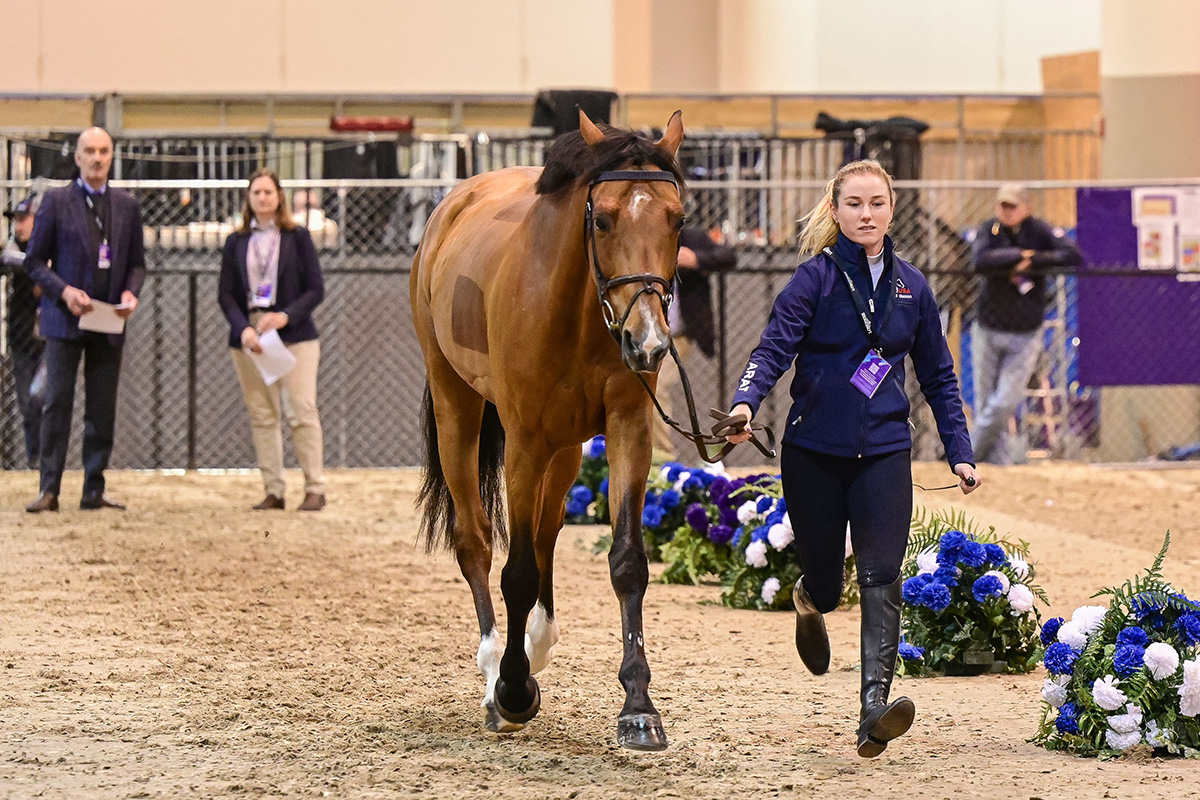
(491, 649)
(541, 634)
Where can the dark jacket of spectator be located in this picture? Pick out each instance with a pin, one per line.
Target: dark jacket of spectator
(695, 291)
(997, 249)
(63, 251)
(301, 287)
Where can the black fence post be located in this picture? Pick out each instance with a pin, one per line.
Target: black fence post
(722, 348)
(156, 376)
(193, 280)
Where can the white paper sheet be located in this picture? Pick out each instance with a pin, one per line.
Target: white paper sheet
(275, 360)
(103, 318)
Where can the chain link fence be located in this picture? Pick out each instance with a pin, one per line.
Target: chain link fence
(180, 406)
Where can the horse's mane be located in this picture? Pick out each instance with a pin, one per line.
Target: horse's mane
(571, 158)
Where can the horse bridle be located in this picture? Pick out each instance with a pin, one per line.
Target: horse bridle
(648, 279)
(650, 283)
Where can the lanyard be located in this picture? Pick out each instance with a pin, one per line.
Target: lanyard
(87, 196)
(264, 264)
(864, 316)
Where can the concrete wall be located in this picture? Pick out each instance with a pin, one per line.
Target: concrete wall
(1150, 85)
(499, 46)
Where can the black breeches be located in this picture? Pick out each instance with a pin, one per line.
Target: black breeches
(824, 493)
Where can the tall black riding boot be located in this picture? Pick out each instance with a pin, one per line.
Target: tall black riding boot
(881, 721)
(812, 641)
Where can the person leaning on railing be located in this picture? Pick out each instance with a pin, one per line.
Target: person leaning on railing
(271, 281)
(1012, 252)
(848, 318)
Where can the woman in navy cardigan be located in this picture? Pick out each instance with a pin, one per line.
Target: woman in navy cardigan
(271, 281)
(848, 318)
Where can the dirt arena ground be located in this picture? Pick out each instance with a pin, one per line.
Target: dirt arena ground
(188, 648)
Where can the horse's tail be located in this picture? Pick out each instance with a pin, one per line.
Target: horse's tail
(437, 521)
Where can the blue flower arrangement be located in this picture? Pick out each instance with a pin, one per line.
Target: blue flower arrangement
(1126, 676)
(705, 524)
(587, 500)
(967, 600)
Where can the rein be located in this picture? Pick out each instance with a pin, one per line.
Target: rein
(726, 425)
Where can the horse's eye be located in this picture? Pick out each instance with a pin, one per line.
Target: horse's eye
(603, 224)
(680, 223)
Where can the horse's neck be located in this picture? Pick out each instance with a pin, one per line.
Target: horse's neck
(568, 272)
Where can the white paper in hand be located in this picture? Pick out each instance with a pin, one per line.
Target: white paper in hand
(275, 360)
(102, 318)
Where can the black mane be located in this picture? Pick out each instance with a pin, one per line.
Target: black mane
(571, 158)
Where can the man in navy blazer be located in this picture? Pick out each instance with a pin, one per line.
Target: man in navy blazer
(86, 244)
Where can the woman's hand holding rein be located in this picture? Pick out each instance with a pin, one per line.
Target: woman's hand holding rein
(745, 434)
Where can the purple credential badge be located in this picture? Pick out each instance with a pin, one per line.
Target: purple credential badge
(870, 373)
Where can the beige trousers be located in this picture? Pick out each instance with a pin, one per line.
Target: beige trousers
(293, 395)
(668, 384)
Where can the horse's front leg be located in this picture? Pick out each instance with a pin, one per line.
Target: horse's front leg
(628, 436)
(525, 463)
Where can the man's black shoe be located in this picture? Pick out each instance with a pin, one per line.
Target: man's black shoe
(92, 502)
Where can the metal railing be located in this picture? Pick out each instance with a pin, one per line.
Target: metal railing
(179, 401)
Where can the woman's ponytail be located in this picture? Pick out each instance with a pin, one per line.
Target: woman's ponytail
(820, 229)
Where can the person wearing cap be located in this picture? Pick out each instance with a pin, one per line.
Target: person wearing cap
(1012, 252)
(86, 246)
(24, 343)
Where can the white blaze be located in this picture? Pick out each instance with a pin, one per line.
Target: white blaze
(652, 340)
(640, 198)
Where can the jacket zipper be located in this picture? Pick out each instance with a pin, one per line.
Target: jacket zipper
(862, 428)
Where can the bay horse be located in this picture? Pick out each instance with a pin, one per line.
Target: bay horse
(538, 295)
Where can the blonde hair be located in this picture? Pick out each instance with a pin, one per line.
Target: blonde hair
(283, 219)
(820, 228)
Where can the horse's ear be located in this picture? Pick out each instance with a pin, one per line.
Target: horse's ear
(591, 134)
(674, 134)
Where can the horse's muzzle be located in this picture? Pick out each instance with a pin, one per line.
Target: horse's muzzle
(638, 358)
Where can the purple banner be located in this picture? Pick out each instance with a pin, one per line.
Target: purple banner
(1133, 331)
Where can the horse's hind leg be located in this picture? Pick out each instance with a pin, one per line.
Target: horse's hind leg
(542, 631)
(460, 414)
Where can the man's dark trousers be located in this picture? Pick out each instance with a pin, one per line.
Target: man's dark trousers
(101, 369)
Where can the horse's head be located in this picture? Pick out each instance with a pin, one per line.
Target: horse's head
(635, 215)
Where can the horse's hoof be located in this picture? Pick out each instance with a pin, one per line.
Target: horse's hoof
(498, 724)
(530, 711)
(641, 732)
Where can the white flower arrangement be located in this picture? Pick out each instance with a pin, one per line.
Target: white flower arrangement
(1125, 675)
(780, 535)
(1105, 692)
(927, 561)
(1189, 689)
(964, 612)
(1020, 597)
(1054, 690)
(756, 554)
(747, 512)
(770, 588)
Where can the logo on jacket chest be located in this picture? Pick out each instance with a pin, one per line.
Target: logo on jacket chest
(902, 291)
